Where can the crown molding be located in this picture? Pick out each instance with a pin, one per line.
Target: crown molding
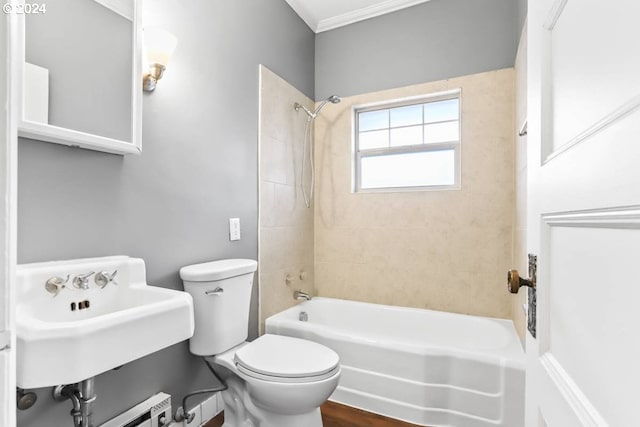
(318, 26)
(299, 7)
(365, 13)
(124, 8)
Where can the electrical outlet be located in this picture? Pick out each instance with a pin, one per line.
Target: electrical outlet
(234, 229)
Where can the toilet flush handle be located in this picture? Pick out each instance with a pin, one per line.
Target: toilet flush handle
(216, 292)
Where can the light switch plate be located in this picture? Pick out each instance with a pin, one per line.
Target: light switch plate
(234, 229)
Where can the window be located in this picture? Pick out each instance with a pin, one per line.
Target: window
(408, 145)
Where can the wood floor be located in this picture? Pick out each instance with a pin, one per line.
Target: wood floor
(336, 415)
(217, 421)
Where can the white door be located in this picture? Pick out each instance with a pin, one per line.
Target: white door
(584, 212)
(8, 152)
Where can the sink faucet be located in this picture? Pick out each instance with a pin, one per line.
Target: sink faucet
(102, 278)
(298, 294)
(81, 281)
(55, 284)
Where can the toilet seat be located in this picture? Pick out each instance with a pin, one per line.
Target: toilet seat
(293, 380)
(280, 358)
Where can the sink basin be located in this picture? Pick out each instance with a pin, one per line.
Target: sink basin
(62, 339)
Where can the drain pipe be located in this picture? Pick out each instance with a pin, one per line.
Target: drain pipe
(82, 396)
(88, 393)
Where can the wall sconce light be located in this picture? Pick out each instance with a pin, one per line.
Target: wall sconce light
(159, 46)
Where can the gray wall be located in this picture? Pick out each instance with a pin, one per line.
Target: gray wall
(169, 206)
(521, 16)
(431, 41)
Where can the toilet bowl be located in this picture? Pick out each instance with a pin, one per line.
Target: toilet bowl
(286, 380)
(274, 381)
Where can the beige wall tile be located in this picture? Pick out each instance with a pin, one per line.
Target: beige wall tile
(443, 250)
(277, 295)
(285, 247)
(276, 161)
(286, 225)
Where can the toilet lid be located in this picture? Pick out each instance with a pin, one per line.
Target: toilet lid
(286, 357)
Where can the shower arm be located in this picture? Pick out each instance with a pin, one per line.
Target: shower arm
(299, 107)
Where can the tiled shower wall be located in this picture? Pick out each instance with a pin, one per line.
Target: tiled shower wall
(443, 250)
(286, 225)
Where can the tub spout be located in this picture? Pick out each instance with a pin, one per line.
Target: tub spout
(298, 294)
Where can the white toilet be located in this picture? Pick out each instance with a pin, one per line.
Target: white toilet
(274, 381)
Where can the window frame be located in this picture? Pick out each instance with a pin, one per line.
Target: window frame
(358, 155)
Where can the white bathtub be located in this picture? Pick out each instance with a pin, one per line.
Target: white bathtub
(421, 366)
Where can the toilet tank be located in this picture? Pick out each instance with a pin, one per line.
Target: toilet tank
(221, 292)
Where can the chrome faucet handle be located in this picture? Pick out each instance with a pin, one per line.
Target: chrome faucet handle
(55, 284)
(103, 278)
(81, 281)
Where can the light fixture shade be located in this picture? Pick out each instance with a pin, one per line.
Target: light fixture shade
(159, 45)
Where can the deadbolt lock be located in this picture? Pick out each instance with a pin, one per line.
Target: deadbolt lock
(515, 282)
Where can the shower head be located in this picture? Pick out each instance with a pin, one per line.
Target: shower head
(334, 99)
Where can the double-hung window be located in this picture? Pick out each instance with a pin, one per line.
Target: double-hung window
(408, 144)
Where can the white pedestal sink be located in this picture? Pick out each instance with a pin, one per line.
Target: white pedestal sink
(58, 342)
